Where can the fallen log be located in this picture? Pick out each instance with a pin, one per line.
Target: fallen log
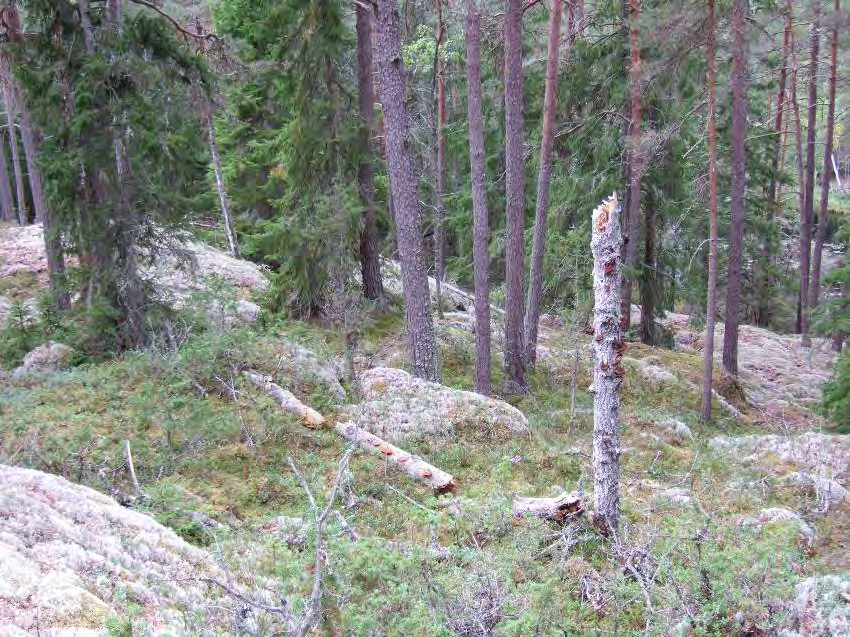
(414, 466)
(558, 508)
(286, 399)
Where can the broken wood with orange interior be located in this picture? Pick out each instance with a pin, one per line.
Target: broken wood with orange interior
(414, 466)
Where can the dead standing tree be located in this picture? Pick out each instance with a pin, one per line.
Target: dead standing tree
(606, 244)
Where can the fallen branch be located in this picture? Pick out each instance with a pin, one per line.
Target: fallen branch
(286, 399)
(131, 470)
(414, 466)
(558, 508)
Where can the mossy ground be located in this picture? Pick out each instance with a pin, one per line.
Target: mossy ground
(190, 445)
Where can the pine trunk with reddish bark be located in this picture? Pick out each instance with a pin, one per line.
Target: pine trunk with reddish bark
(767, 251)
(807, 213)
(544, 180)
(635, 162)
(7, 206)
(711, 301)
(739, 178)
(481, 223)
(826, 176)
(370, 266)
(419, 327)
(440, 161)
(515, 380)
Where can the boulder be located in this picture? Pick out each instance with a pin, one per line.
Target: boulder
(70, 557)
(781, 515)
(825, 455)
(50, 357)
(397, 405)
(821, 608)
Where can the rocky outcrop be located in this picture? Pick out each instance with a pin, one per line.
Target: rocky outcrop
(782, 516)
(70, 558)
(47, 358)
(821, 608)
(397, 405)
(822, 455)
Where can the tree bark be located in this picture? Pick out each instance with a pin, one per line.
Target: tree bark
(16, 154)
(7, 207)
(414, 466)
(648, 281)
(515, 381)
(635, 167)
(370, 265)
(418, 324)
(52, 238)
(739, 180)
(223, 199)
(711, 301)
(440, 168)
(481, 223)
(544, 179)
(606, 246)
(767, 252)
(826, 175)
(807, 214)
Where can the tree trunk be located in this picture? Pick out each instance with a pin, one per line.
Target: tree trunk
(648, 280)
(606, 245)
(440, 167)
(807, 214)
(544, 179)
(414, 466)
(52, 238)
(481, 224)
(370, 265)
(711, 302)
(826, 176)
(7, 206)
(224, 200)
(515, 381)
(838, 337)
(16, 155)
(739, 180)
(767, 250)
(635, 167)
(418, 324)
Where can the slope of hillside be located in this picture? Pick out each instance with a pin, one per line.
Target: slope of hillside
(741, 526)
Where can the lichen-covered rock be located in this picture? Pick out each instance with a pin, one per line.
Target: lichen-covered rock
(396, 405)
(828, 492)
(50, 357)
(300, 362)
(70, 557)
(821, 608)
(781, 515)
(824, 455)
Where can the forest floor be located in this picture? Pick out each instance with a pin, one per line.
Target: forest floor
(721, 520)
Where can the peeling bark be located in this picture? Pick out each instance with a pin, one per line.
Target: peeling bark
(606, 245)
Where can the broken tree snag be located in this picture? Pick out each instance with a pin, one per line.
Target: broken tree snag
(606, 244)
(560, 508)
(286, 399)
(414, 466)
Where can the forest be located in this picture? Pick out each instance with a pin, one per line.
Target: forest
(404, 317)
